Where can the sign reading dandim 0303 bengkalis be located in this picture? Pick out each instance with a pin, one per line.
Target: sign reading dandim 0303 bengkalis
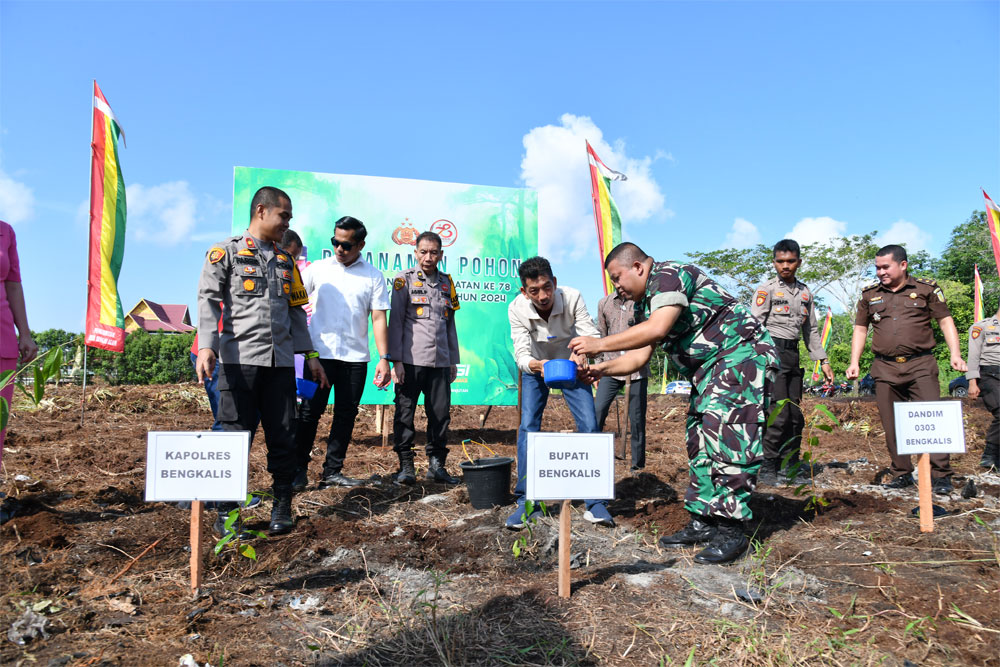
(486, 233)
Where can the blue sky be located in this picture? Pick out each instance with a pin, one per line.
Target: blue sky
(736, 122)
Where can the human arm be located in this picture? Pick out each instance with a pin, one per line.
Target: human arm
(950, 332)
(644, 334)
(858, 338)
(26, 347)
(397, 313)
(761, 305)
(380, 329)
(625, 364)
(520, 336)
(212, 288)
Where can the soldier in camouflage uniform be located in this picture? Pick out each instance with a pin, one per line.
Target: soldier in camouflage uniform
(728, 357)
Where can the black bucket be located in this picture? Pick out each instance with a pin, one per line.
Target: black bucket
(488, 481)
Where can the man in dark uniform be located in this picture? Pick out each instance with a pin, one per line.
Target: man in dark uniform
(423, 347)
(249, 281)
(899, 309)
(788, 310)
(984, 379)
(728, 356)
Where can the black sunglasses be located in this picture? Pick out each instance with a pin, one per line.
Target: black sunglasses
(347, 246)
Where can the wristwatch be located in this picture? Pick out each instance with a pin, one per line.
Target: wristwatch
(387, 357)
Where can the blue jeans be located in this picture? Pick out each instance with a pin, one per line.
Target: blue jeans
(534, 397)
(212, 389)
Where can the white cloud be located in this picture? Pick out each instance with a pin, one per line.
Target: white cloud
(164, 213)
(744, 234)
(905, 233)
(555, 164)
(817, 230)
(17, 201)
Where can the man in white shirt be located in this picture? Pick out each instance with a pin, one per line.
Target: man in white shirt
(344, 291)
(543, 319)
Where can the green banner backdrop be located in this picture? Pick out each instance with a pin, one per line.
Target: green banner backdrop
(487, 232)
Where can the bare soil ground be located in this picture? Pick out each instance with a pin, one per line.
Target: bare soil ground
(389, 575)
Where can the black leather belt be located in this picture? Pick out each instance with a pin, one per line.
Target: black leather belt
(786, 344)
(903, 359)
(989, 369)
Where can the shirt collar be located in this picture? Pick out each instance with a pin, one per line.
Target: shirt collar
(557, 306)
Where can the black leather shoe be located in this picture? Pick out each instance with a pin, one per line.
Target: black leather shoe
(281, 512)
(437, 473)
(337, 479)
(727, 545)
(989, 462)
(901, 482)
(407, 474)
(942, 486)
(301, 480)
(698, 531)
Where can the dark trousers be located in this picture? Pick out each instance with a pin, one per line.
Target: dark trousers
(212, 391)
(435, 385)
(914, 380)
(246, 392)
(989, 387)
(784, 435)
(347, 382)
(607, 390)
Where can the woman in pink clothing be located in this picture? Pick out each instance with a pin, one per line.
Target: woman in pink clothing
(12, 314)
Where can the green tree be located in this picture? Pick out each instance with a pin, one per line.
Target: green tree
(149, 358)
(970, 245)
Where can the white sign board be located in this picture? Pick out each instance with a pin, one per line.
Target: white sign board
(929, 427)
(571, 466)
(197, 465)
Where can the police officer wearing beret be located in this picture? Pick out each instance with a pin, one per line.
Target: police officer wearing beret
(788, 311)
(423, 347)
(984, 379)
(899, 309)
(254, 286)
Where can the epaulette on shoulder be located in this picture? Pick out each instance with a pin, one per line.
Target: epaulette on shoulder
(928, 281)
(872, 286)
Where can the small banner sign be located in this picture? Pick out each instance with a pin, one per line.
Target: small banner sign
(929, 427)
(571, 466)
(197, 465)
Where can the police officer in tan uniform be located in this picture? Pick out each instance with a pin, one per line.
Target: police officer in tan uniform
(788, 311)
(899, 309)
(253, 285)
(984, 379)
(423, 347)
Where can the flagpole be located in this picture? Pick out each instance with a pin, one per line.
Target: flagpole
(90, 212)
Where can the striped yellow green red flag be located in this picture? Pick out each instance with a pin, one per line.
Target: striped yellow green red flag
(105, 315)
(606, 216)
(825, 336)
(993, 222)
(977, 295)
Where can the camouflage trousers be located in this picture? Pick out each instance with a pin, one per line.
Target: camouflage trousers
(725, 429)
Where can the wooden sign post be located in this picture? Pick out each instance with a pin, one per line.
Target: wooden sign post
(196, 466)
(925, 428)
(566, 467)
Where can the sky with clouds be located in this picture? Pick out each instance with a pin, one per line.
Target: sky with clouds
(736, 123)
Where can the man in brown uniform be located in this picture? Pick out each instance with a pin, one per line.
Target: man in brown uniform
(788, 311)
(984, 378)
(423, 348)
(899, 308)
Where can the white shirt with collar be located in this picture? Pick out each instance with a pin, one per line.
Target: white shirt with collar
(536, 338)
(342, 299)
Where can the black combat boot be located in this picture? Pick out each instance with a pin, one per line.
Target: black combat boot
(301, 480)
(728, 544)
(407, 473)
(698, 531)
(768, 475)
(991, 456)
(281, 511)
(437, 473)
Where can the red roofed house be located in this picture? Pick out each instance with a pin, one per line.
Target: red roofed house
(153, 317)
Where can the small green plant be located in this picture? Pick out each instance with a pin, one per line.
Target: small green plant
(231, 536)
(520, 545)
(44, 368)
(918, 628)
(821, 419)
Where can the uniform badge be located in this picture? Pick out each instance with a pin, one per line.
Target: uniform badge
(913, 295)
(398, 284)
(287, 275)
(976, 332)
(419, 299)
(876, 317)
(250, 243)
(445, 287)
(875, 299)
(420, 311)
(216, 254)
(805, 296)
(282, 258)
(245, 253)
(417, 283)
(939, 294)
(286, 288)
(249, 285)
(761, 297)
(249, 269)
(779, 294)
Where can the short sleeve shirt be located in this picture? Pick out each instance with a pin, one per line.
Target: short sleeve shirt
(10, 271)
(711, 323)
(901, 320)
